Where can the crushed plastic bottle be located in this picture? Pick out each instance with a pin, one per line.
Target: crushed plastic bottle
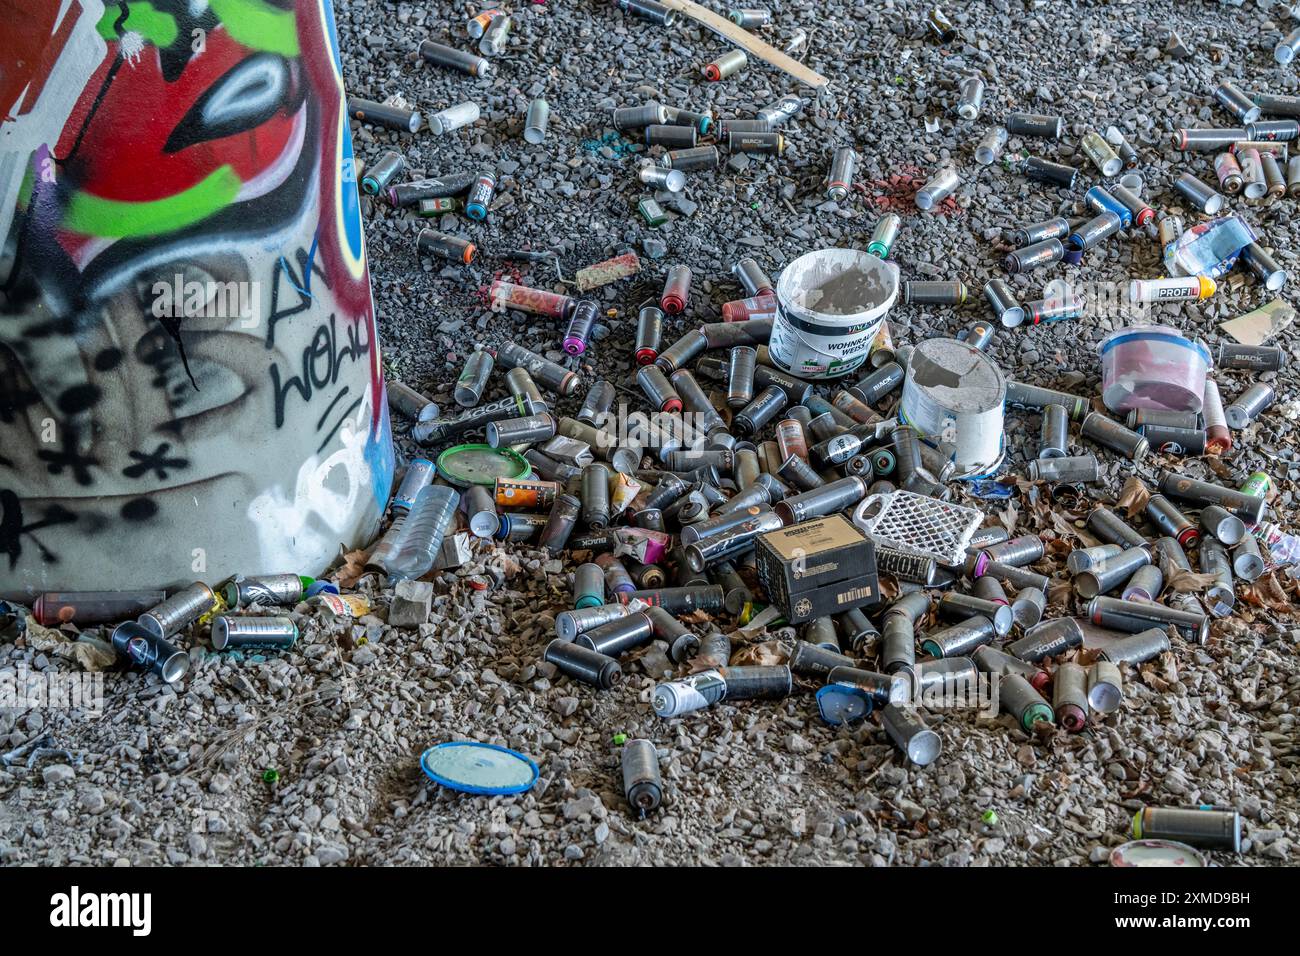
(411, 545)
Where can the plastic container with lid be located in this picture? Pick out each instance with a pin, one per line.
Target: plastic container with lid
(1154, 367)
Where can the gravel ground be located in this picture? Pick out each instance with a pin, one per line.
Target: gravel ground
(176, 775)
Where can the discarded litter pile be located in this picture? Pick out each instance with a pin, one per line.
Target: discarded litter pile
(781, 503)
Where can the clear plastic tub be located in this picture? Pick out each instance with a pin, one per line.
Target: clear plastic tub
(1155, 367)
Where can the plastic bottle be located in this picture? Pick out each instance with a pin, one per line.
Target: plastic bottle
(412, 543)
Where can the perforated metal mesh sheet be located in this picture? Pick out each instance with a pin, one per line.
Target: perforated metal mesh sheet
(917, 524)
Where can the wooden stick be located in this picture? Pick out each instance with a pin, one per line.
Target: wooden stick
(748, 42)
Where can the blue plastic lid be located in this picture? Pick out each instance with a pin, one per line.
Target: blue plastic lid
(472, 767)
(843, 703)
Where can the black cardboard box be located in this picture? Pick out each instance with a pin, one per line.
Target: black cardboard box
(829, 599)
(816, 556)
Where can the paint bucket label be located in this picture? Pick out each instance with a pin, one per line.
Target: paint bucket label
(830, 305)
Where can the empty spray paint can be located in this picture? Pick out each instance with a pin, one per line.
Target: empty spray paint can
(1032, 257)
(1111, 434)
(1110, 573)
(595, 407)
(1264, 267)
(680, 600)
(658, 389)
(1225, 526)
(1143, 646)
(1035, 124)
(1221, 594)
(1079, 468)
(1228, 171)
(884, 235)
(1236, 102)
(231, 633)
(1055, 438)
(180, 609)
(494, 39)
(1138, 616)
(53, 608)
(1164, 514)
(674, 698)
(480, 196)
(636, 117)
(1003, 302)
(650, 10)
(909, 733)
(1070, 696)
(1248, 406)
(1019, 699)
(1048, 639)
(670, 136)
(840, 180)
(1211, 828)
(581, 323)
(381, 173)
(1207, 139)
(935, 293)
(642, 785)
(272, 589)
(584, 664)
(677, 290)
(1257, 358)
(381, 114)
(1201, 196)
(960, 639)
(520, 431)
(536, 120)
(783, 110)
(150, 651)
(649, 333)
(473, 379)
(971, 97)
(752, 278)
(440, 245)
(1096, 148)
(1105, 687)
(939, 188)
(740, 376)
(730, 63)
(766, 405)
(588, 586)
(617, 636)
(440, 55)
(990, 146)
(453, 118)
(692, 160)
(1249, 508)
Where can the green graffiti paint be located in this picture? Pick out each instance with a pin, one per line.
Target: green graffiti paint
(93, 215)
(157, 27)
(258, 25)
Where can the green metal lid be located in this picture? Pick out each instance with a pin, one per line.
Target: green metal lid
(465, 465)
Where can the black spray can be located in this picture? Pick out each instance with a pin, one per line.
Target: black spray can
(150, 652)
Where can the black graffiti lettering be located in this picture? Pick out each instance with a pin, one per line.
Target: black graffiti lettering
(323, 361)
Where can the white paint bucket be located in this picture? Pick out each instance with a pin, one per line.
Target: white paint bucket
(953, 395)
(830, 304)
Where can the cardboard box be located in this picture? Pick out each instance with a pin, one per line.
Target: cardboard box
(829, 599)
(812, 556)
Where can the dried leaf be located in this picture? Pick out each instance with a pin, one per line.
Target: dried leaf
(1268, 592)
(1059, 593)
(350, 571)
(889, 589)
(763, 653)
(1009, 516)
(1147, 672)
(1066, 529)
(1133, 497)
(1183, 581)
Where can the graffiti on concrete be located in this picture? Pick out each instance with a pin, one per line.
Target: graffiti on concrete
(188, 354)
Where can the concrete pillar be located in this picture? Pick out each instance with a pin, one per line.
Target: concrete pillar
(190, 381)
